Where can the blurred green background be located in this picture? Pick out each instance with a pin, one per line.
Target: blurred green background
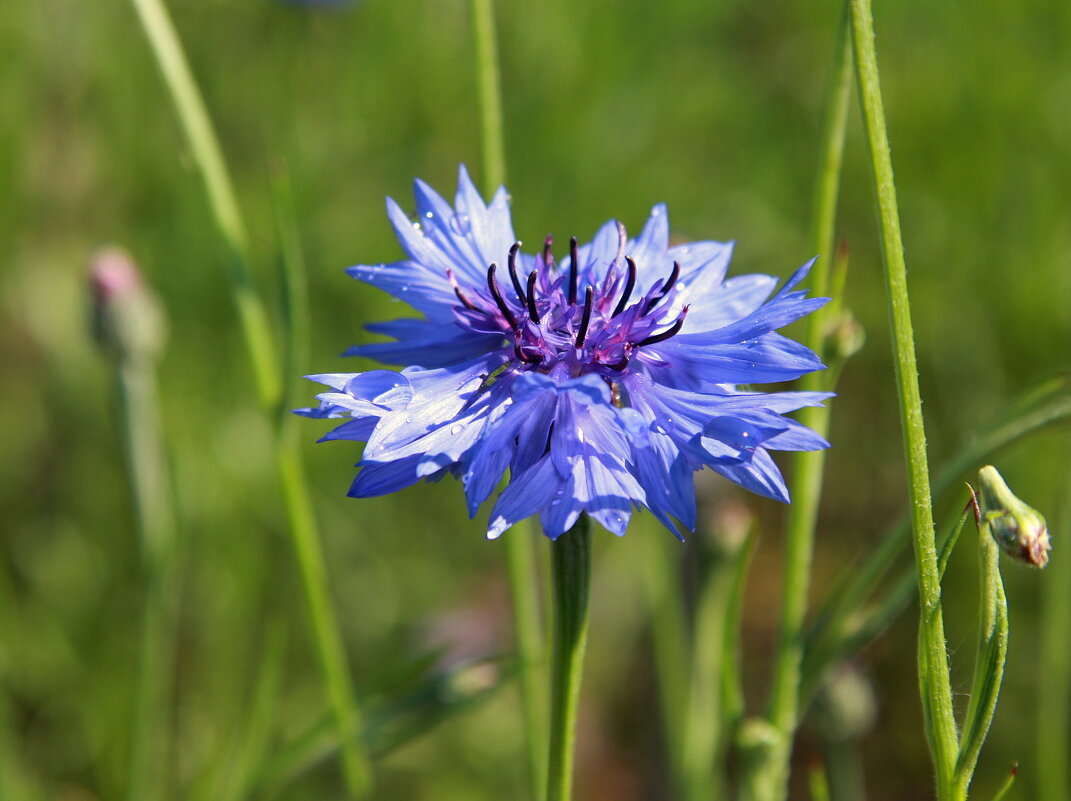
(610, 108)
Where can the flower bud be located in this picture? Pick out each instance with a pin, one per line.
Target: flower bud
(126, 318)
(1019, 530)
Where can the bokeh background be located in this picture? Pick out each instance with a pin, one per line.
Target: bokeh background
(610, 107)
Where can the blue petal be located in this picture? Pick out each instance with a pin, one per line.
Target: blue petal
(426, 343)
(649, 250)
(425, 290)
(760, 475)
(525, 496)
(382, 478)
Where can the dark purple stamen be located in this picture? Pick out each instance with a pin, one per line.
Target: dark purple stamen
(666, 287)
(458, 291)
(630, 282)
(496, 293)
(513, 272)
(533, 312)
(586, 319)
(672, 331)
(525, 357)
(548, 259)
(572, 270)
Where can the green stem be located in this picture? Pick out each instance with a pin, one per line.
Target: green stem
(933, 658)
(489, 92)
(149, 481)
(571, 561)
(326, 634)
(990, 657)
(208, 157)
(660, 572)
(528, 639)
(844, 625)
(808, 467)
(705, 706)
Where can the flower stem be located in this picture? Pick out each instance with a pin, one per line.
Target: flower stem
(932, 657)
(528, 640)
(208, 157)
(571, 561)
(150, 485)
(489, 91)
(808, 467)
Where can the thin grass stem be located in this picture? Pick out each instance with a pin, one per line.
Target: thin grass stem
(932, 657)
(808, 467)
(208, 157)
(489, 93)
(670, 634)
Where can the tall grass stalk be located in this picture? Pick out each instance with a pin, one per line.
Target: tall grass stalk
(208, 157)
(932, 657)
(672, 643)
(521, 558)
(772, 768)
(708, 708)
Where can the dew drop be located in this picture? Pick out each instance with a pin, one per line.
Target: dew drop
(460, 224)
(408, 419)
(456, 429)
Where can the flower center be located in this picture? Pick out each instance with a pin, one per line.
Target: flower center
(552, 324)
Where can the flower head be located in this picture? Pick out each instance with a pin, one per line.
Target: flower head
(601, 381)
(1019, 529)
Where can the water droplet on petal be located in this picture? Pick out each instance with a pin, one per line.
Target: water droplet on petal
(460, 224)
(456, 429)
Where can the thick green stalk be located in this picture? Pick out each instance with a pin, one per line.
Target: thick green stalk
(528, 639)
(808, 467)
(932, 657)
(520, 555)
(208, 157)
(571, 561)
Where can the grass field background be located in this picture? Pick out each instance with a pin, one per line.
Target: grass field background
(610, 107)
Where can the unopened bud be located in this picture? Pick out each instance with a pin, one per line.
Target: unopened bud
(126, 318)
(846, 337)
(1019, 530)
(846, 707)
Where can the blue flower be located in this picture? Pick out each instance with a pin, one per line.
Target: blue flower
(601, 383)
